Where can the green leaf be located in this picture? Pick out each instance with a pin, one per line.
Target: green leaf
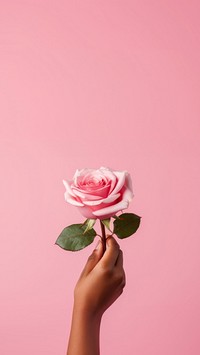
(88, 224)
(75, 238)
(106, 223)
(126, 225)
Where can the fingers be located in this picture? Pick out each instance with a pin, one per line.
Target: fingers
(111, 254)
(113, 257)
(113, 260)
(93, 259)
(119, 267)
(119, 261)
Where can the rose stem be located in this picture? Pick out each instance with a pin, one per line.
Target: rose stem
(103, 238)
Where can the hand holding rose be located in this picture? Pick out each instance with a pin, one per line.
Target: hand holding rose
(102, 280)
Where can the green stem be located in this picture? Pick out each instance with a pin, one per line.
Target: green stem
(103, 238)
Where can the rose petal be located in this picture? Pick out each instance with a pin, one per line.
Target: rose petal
(110, 176)
(93, 203)
(86, 212)
(101, 192)
(129, 182)
(128, 192)
(127, 195)
(76, 175)
(71, 200)
(111, 209)
(85, 196)
(78, 193)
(121, 175)
(81, 175)
(68, 188)
(109, 199)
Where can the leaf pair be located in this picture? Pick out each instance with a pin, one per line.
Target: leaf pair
(78, 236)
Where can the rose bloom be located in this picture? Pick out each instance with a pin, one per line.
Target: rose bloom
(99, 193)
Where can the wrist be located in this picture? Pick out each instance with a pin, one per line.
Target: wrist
(87, 313)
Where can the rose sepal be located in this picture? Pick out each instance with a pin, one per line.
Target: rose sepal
(88, 224)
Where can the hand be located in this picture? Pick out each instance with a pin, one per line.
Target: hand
(102, 279)
(100, 284)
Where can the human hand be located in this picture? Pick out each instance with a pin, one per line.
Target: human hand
(102, 279)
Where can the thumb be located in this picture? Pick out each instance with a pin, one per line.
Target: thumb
(93, 258)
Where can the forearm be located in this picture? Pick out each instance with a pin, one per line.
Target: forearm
(85, 332)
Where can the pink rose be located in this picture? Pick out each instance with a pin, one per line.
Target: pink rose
(99, 193)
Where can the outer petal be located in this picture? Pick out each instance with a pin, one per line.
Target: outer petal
(121, 175)
(93, 203)
(109, 199)
(86, 212)
(68, 188)
(76, 175)
(78, 193)
(128, 190)
(127, 195)
(129, 182)
(111, 210)
(71, 200)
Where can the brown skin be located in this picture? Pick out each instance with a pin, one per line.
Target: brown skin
(100, 284)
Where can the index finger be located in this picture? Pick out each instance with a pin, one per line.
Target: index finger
(111, 254)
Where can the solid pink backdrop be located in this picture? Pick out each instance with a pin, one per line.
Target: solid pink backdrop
(86, 84)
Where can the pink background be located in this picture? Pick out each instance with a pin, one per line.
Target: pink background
(85, 84)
